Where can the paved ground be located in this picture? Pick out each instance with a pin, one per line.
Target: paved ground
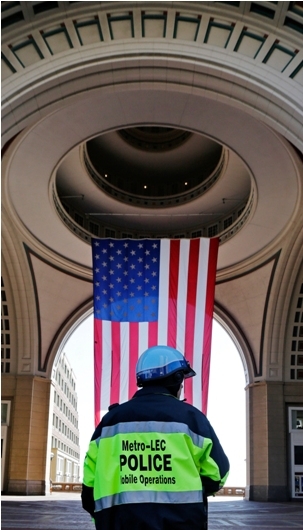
(64, 512)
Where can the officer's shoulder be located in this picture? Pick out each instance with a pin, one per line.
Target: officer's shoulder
(194, 410)
(113, 406)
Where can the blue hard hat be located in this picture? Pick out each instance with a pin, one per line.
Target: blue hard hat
(159, 362)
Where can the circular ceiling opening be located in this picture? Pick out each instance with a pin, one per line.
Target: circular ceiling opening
(109, 188)
(153, 163)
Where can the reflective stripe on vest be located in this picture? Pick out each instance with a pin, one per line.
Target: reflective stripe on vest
(149, 462)
(162, 497)
(151, 426)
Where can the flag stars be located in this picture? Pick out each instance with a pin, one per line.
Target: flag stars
(96, 243)
(128, 278)
(97, 270)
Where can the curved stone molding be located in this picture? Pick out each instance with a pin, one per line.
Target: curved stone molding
(224, 235)
(32, 34)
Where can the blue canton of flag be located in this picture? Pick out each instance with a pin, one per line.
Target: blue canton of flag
(126, 280)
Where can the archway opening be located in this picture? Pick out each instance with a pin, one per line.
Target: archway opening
(226, 403)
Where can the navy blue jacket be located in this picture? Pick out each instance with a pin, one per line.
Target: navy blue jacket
(157, 404)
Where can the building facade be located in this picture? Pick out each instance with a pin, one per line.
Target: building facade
(153, 119)
(65, 449)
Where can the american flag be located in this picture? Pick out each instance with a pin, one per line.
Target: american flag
(149, 292)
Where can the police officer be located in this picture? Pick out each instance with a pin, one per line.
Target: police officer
(153, 460)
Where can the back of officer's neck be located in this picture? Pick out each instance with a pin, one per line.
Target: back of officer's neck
(161, 389)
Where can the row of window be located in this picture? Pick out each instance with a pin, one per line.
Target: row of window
(66, 431)
(68, 372)
(58, 444)
(66, 470)
(65, 409)
(65, 388)
(5, 334)
(98, 230)
(296, 357)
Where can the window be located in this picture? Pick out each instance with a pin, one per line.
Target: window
(197, 233)
(110, 233)
(227, 222)
(5, 412)
(212, 231)
(79, 219)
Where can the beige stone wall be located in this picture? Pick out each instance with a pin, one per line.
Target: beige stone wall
(28, 434)
(268, 456)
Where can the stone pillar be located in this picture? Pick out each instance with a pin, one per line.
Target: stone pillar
(29, 433)
(268, 442)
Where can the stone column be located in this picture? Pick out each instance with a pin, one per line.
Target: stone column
(29, 434)
(268, 442)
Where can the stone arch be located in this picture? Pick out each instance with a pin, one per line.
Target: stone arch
(239, 339)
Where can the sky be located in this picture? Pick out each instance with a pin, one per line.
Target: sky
(226, 399)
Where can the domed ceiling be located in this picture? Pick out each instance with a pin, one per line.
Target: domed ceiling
(144, 168)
